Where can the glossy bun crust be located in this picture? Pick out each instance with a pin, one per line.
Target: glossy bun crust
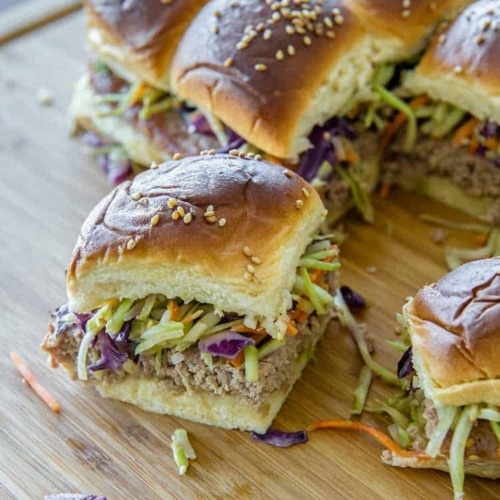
(272, 72)
(219, 229)
(454, 326)
(462, 64)
(139, 37)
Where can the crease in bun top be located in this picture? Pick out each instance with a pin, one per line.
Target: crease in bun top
(199, 289)
(299, 82)
(456, 99)
(452, 412)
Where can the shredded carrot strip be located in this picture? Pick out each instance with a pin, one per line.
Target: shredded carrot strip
(491, 143)
(473, 146)
(382, 438)
(350, 155)
(391, 128)
(31, 380)
(139, 92)
(174, 310)
(238, 360)
(384, 190)
(290, 328)
(246, 329)
(192, 317)
(464, 132)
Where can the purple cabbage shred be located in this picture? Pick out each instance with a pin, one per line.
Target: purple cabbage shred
(405, 364)
(353, 299)
(322, 148)
(112, 357)
(282, 439)
(227, 344)
(234, 141)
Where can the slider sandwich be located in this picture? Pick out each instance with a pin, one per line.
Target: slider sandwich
(451, 416)
(453, 102)
(199, 290)
(277, 78)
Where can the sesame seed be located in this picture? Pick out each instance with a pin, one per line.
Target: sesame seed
(258, 157)
(228, 62)
(187, 218)
(260, 27)
(406, 4)
(241, 45)
(255, 259)
(241, 154)
(328, 22)
(442, 38)
(330, 34)
(177, 156)
(288, 174)
(406, 13)
(280, 55)
(473, 457)
(153, 165)
(155, 219)
(480, 39)
(276, 16)
(291, 50)
(136, 196)
(299, 204)
(306, 192)
(250, 269)
(458, 69)
(267, 34)
(486, 24)
(247, 251)
(208, 213)
(211, 152)
(247, 276)
(260, 67)
(181, 211)
(234, 152)
(336, 11)
(307, 40)
(222, 222)
(215, 29)
(176, 215)
(218, 14)
(172, 202)
(210, 208)
(131, 244)
(212, 219)
(289, 30)
(250, 155)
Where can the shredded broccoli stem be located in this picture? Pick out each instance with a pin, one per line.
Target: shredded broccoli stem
(394, 101)
(182, 450)
(115, 324)
(456, 256)
(446, 416)
(495, 427)
(347, 319)
(457, 450)
(359, 195)
(251, 363)
(270, 347)
(475, 228)
(362, 390)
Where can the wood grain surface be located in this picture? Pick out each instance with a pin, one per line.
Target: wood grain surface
(47, 186)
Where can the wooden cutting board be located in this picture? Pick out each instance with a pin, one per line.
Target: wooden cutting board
(47, 186)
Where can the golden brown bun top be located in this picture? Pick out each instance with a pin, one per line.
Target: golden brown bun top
(219, 229)
(139, 37)
(462, 64)
(402, 28)
(259, 66)
(455, 334)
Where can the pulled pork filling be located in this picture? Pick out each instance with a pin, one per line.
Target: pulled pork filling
(193, 346)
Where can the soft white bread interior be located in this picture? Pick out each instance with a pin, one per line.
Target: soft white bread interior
(461, 66)
(139, 37)
(273, 72)
(479, 467)
(218, 229)
(400, 30)
(454, 325)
